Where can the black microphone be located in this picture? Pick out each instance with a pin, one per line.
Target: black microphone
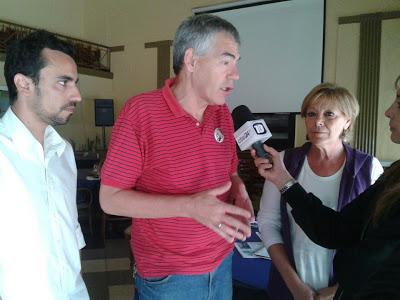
(249, 131)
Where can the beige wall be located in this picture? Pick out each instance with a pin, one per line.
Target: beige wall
(345, 68)
(341, 60)
(128, 23)
(341, 8)
(133, 23)
(390, 69)
(2, 80)
(64, 17)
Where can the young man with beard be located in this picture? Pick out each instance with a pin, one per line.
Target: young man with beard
(39, 229)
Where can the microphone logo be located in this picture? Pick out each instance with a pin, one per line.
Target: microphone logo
(252, 132)
(243, 137)
(259, 128)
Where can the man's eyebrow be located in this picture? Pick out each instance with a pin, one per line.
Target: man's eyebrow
(230, 55)
(67, 78)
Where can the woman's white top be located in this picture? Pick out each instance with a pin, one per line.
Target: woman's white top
(313, 263)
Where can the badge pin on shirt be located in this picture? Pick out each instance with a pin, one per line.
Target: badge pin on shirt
(219, 137)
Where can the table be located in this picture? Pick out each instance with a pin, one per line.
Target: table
(83, 180)
(93, 185)
(251, 272)
(86, 159)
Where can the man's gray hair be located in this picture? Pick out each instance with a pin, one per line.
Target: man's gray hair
(197, 32)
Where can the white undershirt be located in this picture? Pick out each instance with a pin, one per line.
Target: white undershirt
(313, 263)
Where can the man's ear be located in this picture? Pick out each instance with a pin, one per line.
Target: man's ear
(189, 60)
(24, 84)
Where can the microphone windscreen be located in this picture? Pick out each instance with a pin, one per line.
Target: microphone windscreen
(240, 115)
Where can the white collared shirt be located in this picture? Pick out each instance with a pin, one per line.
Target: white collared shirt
(39, 231)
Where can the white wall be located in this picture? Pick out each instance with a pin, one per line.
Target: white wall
(63, 17)
(347, 74)
(281, 47)
(390, 69)
(133, 23)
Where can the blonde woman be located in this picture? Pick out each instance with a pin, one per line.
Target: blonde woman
(365, 232)
(331, 170)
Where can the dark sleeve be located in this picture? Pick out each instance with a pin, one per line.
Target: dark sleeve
(354, 266)
(384, 283)
(325, 226)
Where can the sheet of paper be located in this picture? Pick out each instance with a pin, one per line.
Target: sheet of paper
(252, 250)
(262, 252)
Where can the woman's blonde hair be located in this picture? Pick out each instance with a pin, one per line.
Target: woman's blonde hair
(330, 95)
(391, 193)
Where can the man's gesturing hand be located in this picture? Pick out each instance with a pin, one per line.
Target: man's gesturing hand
(225, 219)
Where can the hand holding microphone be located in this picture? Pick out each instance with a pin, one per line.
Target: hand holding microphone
(272, 168)
(251, 134)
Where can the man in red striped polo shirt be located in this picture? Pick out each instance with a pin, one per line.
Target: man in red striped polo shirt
(171, 166)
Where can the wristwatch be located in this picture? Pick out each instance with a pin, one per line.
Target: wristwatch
(287, 185)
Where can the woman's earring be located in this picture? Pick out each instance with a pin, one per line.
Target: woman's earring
(344, 133)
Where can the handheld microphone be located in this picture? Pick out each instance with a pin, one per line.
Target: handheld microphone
(249, 132)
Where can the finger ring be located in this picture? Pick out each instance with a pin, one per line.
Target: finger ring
(219, 225)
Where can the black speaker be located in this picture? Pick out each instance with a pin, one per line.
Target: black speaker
(104, 112)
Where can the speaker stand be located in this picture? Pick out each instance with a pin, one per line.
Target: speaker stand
(104, 138)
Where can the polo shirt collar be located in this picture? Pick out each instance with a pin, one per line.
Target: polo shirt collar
(170, 98)
(173, 103)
